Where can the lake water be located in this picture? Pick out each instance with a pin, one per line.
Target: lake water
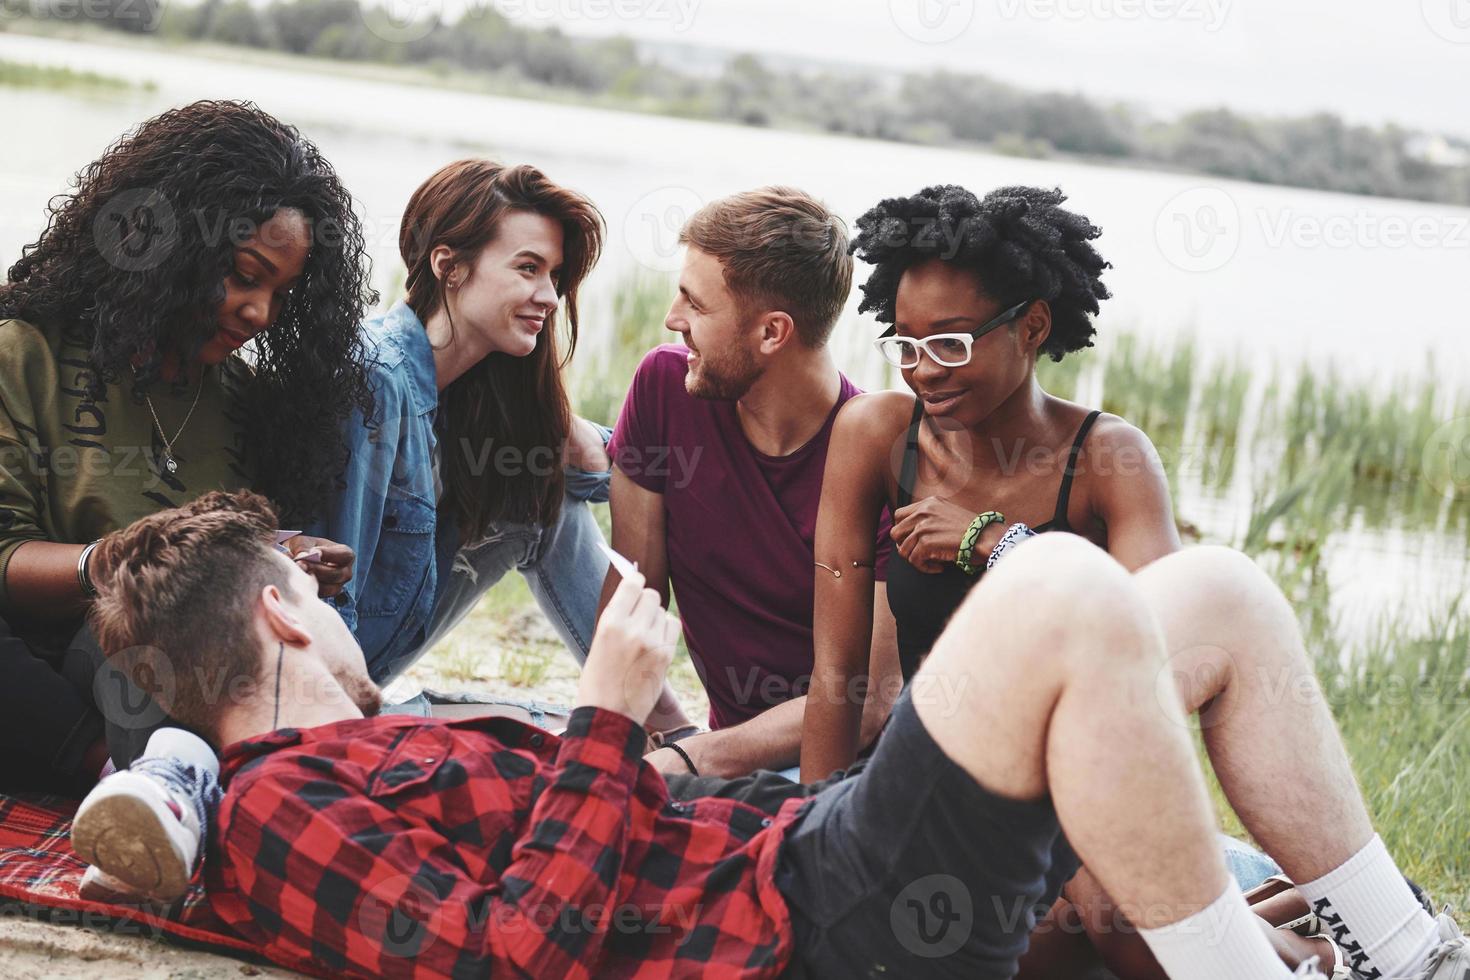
(1279, 274)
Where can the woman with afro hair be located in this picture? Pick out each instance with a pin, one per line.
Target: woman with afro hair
(975, 455)
(124, 390)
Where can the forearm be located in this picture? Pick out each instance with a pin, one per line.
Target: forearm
(843, 630)
(832, 725)
(770, 740)
(41, 582)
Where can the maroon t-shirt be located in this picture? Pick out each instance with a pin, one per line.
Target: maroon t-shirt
(740, 528)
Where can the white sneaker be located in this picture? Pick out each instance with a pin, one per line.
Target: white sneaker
(99, 886)
(1451, 958)
(137, 829)
(143, 826)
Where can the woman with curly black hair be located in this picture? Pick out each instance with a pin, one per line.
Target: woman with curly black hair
(975, 455)
(205, 229)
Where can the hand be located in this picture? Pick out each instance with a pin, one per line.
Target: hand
(585, 450)
(332, 571)
(631, 651)
(928, 532)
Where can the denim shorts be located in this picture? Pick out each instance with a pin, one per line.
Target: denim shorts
(913, 869)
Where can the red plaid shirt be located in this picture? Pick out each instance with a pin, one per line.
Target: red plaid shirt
(404, 847)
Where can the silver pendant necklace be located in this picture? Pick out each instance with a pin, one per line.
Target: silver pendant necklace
(169, 462)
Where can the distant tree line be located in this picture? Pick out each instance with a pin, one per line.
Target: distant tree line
(941, 107)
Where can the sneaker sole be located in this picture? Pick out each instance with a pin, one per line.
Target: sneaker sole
(126, 838)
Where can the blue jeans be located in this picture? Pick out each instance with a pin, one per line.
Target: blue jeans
(562, 564)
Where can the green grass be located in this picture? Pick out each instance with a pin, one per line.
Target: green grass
(21, 75)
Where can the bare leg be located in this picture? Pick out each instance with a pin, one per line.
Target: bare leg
(1050, 678)
(1236, 651)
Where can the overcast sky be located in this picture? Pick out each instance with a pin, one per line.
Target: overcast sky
(1369, 60)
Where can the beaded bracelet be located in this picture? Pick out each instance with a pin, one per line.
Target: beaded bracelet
(1014, 535)
(972, 534)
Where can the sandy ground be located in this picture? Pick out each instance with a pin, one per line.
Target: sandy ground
(32, 950)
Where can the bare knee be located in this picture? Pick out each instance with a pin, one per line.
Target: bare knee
(1077, 602)
(1054, 568)
(1212, 584)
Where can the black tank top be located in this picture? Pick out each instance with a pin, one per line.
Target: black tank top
(922, 603)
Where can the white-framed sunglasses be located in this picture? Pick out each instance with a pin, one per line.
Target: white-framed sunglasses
(947, 349)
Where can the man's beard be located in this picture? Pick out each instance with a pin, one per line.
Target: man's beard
(725, 380)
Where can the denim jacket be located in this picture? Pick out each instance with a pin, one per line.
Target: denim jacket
(387, 511)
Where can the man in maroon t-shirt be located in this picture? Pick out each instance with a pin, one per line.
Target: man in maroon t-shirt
(718, 461)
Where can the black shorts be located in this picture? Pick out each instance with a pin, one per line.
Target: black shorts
(912, 869)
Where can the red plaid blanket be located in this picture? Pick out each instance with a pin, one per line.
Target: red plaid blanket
(39, 875)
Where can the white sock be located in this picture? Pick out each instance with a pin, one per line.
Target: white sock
(175, 743)
(1383, 930)
(1220, 942)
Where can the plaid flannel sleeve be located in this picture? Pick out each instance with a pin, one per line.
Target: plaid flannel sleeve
(339, 879)
(573, 855)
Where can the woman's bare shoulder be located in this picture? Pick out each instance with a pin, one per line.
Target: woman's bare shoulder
(875, 415)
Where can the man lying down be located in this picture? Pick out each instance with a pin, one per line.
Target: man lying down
(401, 846)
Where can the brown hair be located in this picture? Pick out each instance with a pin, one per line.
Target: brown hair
(501, 401)
(781, 249)
(175, 604)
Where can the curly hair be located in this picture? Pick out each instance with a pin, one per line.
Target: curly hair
(133, 264)
(1019, 241)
